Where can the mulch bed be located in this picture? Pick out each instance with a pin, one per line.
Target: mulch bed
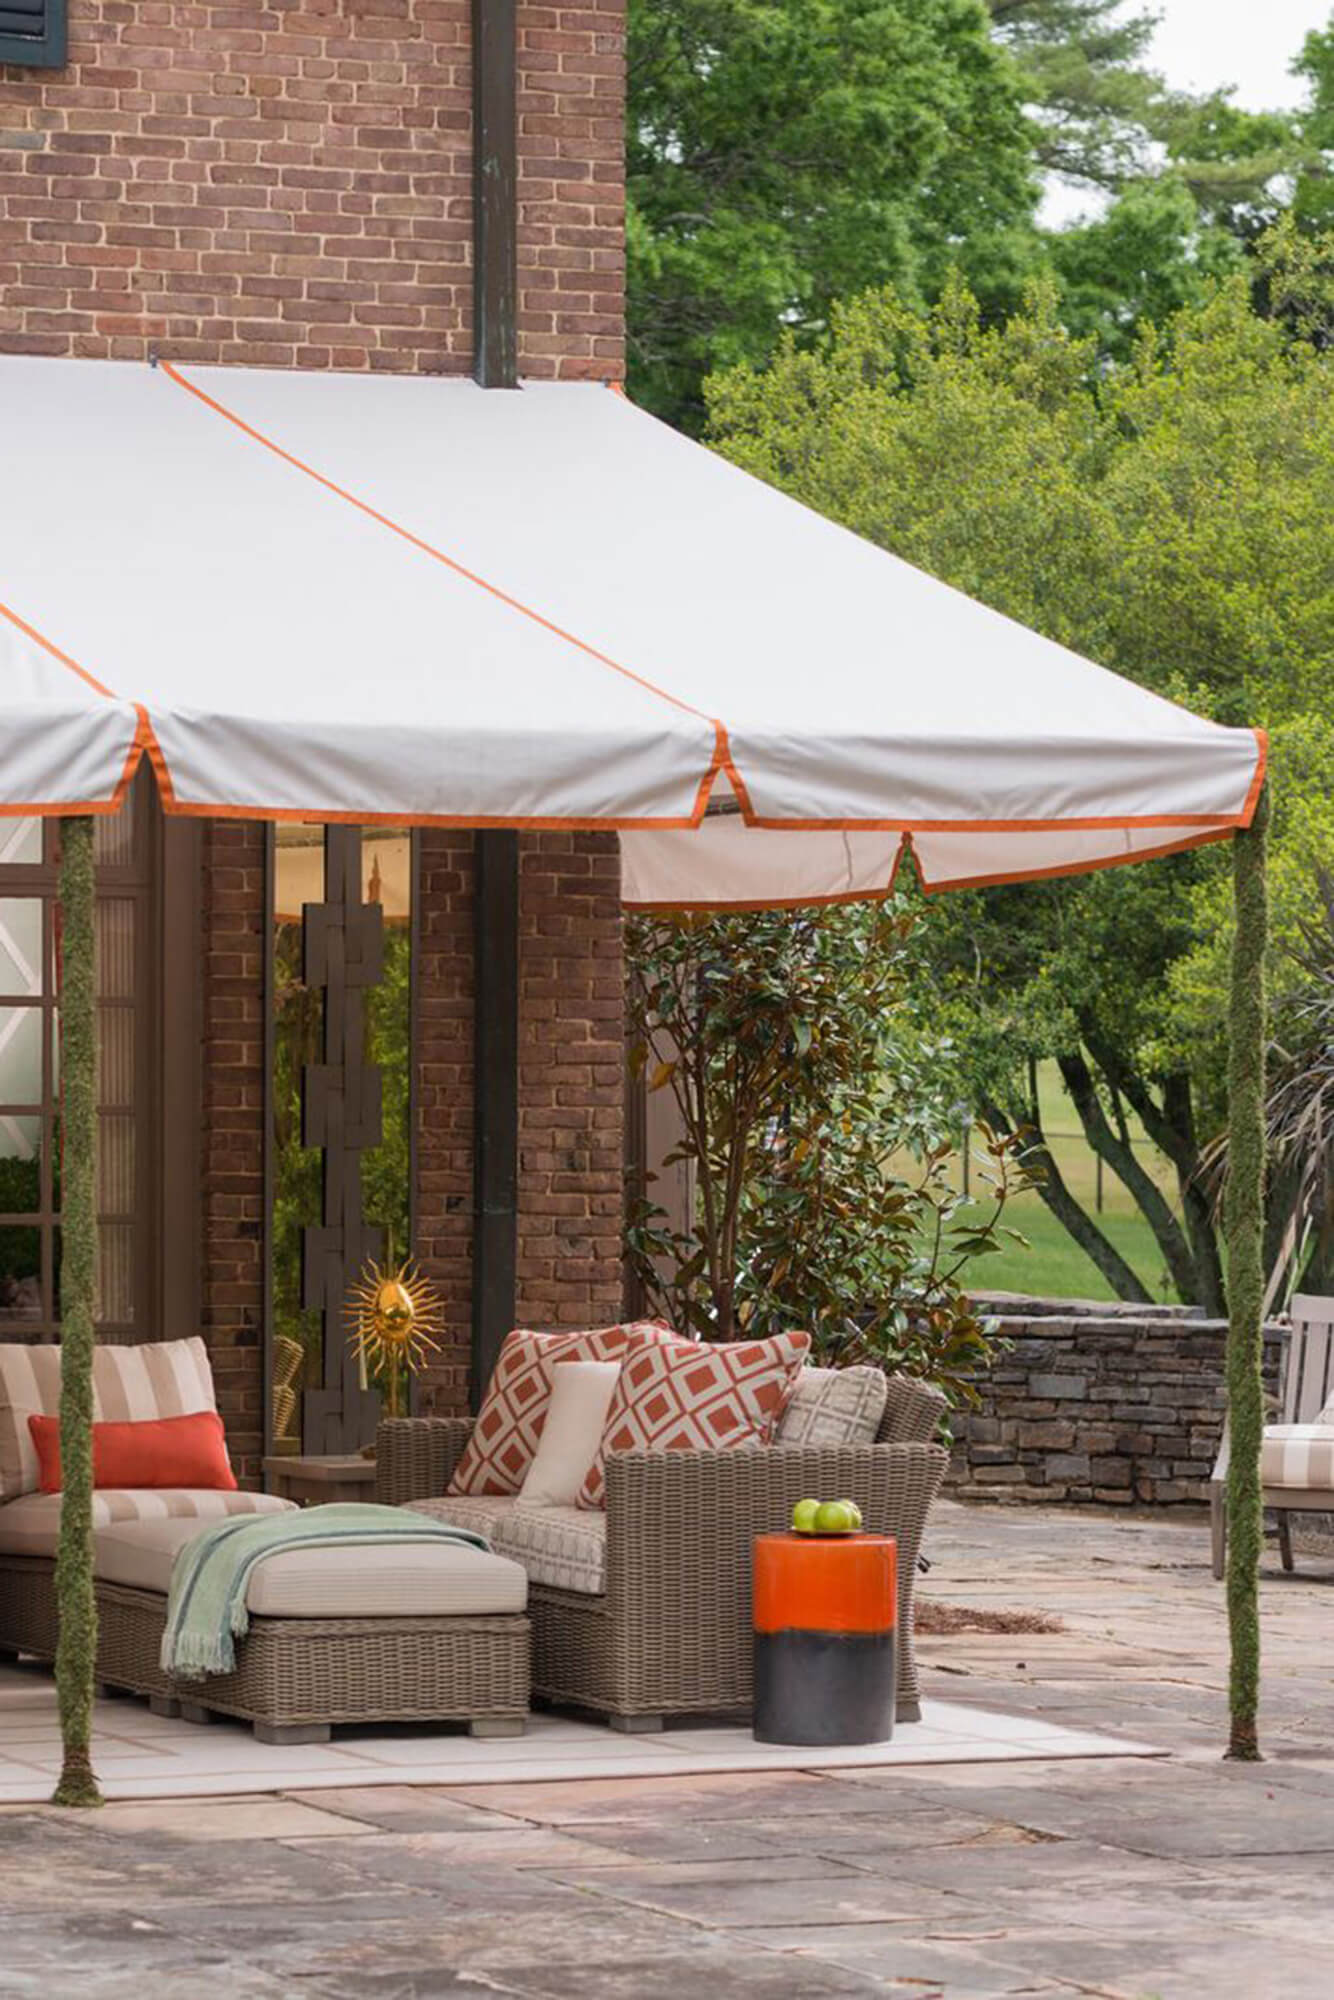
(936, 1619)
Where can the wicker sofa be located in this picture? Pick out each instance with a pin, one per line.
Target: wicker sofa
(669, 1630)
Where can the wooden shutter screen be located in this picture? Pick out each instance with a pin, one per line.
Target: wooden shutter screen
(33, 32)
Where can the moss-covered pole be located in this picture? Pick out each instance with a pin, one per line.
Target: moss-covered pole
(76, 1647)
(1244, 1226)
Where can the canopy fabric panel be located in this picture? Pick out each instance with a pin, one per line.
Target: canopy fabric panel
(406, 598)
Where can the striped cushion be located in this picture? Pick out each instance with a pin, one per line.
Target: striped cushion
(168, 1378)
(410, 1580)
(1300, 1455)
(30, 1525)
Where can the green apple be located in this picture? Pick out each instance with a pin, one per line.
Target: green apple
(854, 1510)
(803, 1516)
(835, 1517)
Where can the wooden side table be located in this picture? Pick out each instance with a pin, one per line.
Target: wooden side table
(825, 1610)
(314, 1481)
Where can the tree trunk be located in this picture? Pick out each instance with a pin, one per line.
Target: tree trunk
(1119, 1155)
(1063, 1205)
(76, 1646)
(1244, 1223)
(1171, 1126)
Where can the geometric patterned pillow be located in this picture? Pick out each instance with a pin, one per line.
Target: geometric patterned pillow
(514, 1410)
(697, 1396)
(835, 1406)
(137, 1384)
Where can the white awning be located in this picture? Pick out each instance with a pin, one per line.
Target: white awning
(405, 598)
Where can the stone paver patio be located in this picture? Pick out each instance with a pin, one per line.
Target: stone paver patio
(1168, 1877)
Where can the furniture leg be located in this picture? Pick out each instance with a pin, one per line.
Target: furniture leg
(292, 1732)
(164, 1705)
(193, 1711)
(636, 1725)
(1285, 1539)
(496, 1725)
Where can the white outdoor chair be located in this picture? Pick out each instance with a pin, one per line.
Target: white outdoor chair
(1297, 1455)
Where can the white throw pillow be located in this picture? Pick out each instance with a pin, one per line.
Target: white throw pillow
(581, 1393)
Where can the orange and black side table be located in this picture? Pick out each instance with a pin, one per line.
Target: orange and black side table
(825, 1610)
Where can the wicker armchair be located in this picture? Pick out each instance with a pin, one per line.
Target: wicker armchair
(671, 1634)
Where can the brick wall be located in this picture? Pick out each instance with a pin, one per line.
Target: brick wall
(571, 1079)
(1094, 1403)
(289, 183)
(444, 1104)
(232, 1131)
(570, 1088)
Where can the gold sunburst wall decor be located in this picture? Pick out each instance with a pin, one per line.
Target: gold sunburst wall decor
(394, 1312)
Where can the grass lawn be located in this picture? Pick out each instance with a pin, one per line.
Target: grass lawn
(1054, 1266)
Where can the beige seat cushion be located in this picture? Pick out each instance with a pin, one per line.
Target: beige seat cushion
(30, 1525)
(482, 1512)
(563, 1547)
(395, 1580)
(1298, 1455)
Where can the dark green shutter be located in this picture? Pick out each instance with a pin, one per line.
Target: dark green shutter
(33, 32)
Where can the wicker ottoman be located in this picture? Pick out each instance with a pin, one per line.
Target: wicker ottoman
(424, 1632)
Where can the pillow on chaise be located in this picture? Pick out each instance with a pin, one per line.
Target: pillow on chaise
(514, 1409)
(164, 1378)
(697, 1396)
(581, 1393)
(186, 1451)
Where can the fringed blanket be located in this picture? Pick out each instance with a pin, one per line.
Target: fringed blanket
(206, 1606)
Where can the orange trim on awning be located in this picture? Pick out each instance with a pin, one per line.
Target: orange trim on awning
(721, 752)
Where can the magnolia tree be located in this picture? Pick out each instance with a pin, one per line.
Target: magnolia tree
(819, 1135)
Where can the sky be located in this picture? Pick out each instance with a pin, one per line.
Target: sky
(1201, 44)
(1204, 45)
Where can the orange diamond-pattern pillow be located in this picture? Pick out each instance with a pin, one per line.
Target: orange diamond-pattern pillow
(697, 1397)
(518, 1396)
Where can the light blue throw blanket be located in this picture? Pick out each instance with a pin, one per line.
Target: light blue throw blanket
(206, 1605)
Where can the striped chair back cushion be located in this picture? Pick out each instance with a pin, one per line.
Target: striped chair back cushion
(169, 1378)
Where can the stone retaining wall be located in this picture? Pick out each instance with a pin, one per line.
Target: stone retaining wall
(1097, 1403)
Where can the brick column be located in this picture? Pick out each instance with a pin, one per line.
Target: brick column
(232, 1131)
(571, 1090)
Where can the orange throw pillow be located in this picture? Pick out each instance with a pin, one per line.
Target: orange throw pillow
(164, 1451)
(514, 1410)
(700, 1397)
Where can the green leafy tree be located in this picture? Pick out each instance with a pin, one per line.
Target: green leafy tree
(1152, 253)
(1313, 197)
(776, 1035)
(1083, 65)
(784, 153)
(1168, 517)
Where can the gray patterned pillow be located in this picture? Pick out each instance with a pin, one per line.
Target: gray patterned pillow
(834, 1406)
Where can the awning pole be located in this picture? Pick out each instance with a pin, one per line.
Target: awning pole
(1244, 1226)
(76, 1645)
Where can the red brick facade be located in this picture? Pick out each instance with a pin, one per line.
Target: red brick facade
(232, 1129)
(570, 1088)
(289, 183)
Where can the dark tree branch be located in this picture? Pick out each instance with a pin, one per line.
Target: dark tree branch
(1120, 1157)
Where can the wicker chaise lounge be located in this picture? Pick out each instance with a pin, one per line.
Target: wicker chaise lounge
(668, 1630)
